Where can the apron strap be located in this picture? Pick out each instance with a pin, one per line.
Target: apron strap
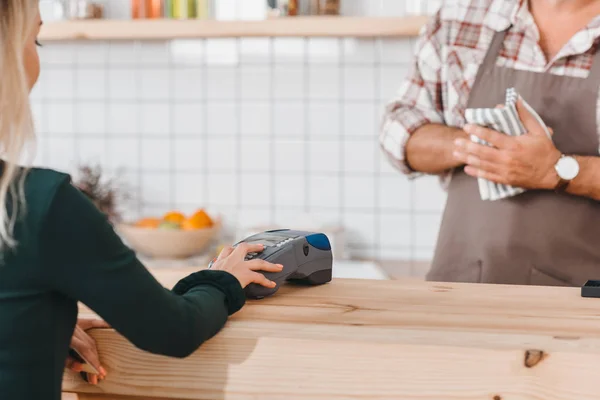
(494, 50)
(594, 75)
(489, 62)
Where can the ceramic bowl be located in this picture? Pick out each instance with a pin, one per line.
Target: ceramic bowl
(168, 243)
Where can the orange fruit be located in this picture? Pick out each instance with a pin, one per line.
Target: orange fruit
(174, 216)
(199, 220)
(202, 219)
(188, 225)
(149, 223)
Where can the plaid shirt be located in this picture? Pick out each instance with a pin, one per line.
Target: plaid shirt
(449, 51)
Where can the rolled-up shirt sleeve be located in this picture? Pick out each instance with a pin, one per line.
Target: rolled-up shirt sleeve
(419, 99)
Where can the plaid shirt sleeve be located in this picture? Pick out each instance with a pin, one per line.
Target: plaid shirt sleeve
(419, 99)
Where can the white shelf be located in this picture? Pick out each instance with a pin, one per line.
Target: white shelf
(165, 29)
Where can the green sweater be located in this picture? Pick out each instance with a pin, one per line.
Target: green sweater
(68, 252)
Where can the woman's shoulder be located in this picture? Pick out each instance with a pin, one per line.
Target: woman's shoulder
(41, 187)
(44, 180)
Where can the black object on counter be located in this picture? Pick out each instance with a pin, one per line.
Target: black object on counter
(591, 289)
(306, 258)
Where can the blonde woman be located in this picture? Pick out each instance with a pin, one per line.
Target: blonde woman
(58, 249)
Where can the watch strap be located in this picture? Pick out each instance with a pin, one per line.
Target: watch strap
(562, 185)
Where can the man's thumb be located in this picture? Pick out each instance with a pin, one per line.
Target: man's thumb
(531, 123)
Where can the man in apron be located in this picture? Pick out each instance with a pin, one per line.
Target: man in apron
(549, 235)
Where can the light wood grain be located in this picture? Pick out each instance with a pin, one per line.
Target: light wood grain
(173, 29)
(355, 339)
(275, 368)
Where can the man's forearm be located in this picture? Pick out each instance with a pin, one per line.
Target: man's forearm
(429, 149)
(587, 182)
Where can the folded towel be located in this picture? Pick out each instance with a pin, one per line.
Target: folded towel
(504, 120)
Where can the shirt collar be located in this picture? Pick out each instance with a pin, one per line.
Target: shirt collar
(503, 13)
(506, 13)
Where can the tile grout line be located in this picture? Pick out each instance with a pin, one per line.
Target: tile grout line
(76, 134)
(204, 133)
(358, 210)
(273, 163)
(138, 90)
(172, 145)
(132, 101)
(349, 138)
(107, 70)
(341, 145)
(307, 136)
(238, 143)
(150, 66)
(376, 66)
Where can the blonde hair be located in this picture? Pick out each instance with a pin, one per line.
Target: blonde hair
(17, 19)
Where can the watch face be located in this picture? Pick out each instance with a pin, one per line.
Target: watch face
(567, 168)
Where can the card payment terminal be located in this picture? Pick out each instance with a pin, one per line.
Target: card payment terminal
(306, 258)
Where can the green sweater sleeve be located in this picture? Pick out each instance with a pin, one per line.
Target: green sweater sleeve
(87, 261)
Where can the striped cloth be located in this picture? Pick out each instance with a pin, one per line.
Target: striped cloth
(505, 120)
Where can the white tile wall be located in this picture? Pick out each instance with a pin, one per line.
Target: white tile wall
(187, 118)
(262, 130)
(290, 191)
(255, 118)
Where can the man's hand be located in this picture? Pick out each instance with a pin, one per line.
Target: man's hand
(525, 161)
(86, 346)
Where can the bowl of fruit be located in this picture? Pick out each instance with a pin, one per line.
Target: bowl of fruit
(172, 236)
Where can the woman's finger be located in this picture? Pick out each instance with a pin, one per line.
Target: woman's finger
(91, 323)
(260, 279)
(91, 355)
(76, 334)
(86, 347)
(244, 248)
(226, 252)
(77, 343)
(262, 265)
(73, 365)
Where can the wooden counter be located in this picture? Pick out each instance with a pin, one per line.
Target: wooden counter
(393, 340)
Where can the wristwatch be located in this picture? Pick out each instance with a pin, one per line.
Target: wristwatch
(567, 169)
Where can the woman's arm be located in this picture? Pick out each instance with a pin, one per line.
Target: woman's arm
(87, 261)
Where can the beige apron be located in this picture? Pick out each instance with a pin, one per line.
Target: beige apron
(539, 237)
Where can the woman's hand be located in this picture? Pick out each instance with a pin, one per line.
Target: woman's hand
(86, 346)
(525, 161)
(232, 261)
